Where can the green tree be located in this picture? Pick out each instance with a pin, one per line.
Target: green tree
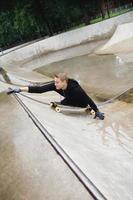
(6, 28)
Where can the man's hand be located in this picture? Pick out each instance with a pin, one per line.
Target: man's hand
(15, 90)
(99, 115)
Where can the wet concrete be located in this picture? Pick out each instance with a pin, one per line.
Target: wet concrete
(103, 150)
(29, 167)
(101, 76)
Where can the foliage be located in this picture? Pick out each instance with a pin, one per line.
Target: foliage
(21, 21)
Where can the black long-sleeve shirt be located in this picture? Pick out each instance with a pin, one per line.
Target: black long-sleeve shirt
(73, 95)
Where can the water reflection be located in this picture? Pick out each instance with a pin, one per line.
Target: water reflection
(101, 76)
(116, 130)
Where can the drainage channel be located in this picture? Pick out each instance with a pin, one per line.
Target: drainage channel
(86, 182)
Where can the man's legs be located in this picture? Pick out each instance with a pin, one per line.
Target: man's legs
(92, 104)
(65, 102)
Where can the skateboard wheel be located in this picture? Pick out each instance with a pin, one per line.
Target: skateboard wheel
(51, 104)
(57, 109)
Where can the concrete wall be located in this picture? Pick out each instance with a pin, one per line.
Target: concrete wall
(89, 34)
(121, 41)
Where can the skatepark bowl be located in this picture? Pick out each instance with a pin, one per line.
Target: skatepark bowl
(45, 155)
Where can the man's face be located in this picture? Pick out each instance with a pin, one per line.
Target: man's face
(59, 84)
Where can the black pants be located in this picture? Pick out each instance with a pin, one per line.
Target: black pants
(76, 104)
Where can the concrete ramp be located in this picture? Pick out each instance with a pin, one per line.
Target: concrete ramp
(29, 167)
(102, 150)
(96, 156)
(21, 77)
(127, 96)
(121, 41)
(99, 152)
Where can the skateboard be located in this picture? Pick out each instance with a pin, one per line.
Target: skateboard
(69, 109)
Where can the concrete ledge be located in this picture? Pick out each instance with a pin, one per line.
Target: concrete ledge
(121, 41)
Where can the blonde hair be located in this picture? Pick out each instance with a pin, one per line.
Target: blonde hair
(62, 76)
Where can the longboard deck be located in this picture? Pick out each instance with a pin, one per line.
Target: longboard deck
(69, 109)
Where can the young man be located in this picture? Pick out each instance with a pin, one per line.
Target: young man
(70, 89)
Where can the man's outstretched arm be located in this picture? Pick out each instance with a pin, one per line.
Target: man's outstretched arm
(33, 89)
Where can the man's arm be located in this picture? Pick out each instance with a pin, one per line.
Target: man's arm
(84, 99)
(43, 88)
(24, 89)
(33, 89)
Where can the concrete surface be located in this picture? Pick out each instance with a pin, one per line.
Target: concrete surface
(102, 150)
(29, 167)
(101, 76)
(121, 41)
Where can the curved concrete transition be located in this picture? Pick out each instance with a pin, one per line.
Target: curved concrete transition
(120, 44)
(53, 156)
(121, 41)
